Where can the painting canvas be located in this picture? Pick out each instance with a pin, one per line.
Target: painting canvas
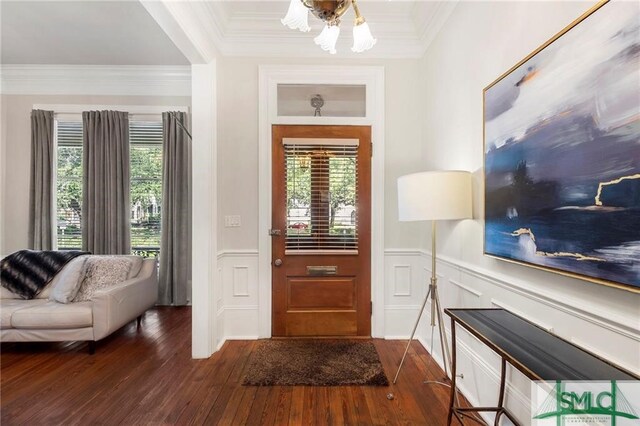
(562, 152)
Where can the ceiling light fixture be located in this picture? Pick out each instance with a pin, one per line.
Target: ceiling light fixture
(330, 12)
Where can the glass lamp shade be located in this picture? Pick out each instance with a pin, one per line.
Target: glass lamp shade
(297, 17)
(328, 38)
(362, 38)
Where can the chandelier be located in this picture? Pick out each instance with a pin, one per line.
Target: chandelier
(330, 12)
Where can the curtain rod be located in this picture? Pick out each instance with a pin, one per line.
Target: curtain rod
(131, 109)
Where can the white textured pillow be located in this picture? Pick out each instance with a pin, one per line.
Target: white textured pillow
(136, 261)
(136, 266)
(45, 293)
(102, 272)
(66, 284)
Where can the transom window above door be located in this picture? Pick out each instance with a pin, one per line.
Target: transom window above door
(322, 100)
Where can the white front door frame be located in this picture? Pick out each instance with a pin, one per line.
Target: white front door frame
(372, 77)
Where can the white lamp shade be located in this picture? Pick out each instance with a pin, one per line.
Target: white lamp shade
(297, 17)
(328, 38)
(439, 195)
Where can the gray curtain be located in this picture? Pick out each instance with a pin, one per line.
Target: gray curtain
(41, 190)
(175, 241)
(105, 202)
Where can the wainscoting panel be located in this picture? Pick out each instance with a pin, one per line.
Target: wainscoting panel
(241, 322)
(467, 296)
(498, 304)
(239, 302)
(399, 321)
(402, 280)
(219, 311)
(405, 288)
(240, 281)
(481, 377)
(463, 285)
(220, 331)
(407, 275)
(239, 278)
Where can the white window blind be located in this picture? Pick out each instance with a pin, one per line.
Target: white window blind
(146, 186)
(321, 182)
(69, 185)
(145, 139)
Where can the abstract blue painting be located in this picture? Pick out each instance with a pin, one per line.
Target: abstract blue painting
(562, 152)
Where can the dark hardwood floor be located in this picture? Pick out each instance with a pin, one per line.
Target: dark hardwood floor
(146, 376)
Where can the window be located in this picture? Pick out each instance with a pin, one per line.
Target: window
(146, 187)
(69, 185)
(321, 182)
(145, 139)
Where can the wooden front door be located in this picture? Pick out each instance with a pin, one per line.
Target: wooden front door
(321, 231)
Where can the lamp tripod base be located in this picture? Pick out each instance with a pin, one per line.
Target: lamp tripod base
(435, 312)
(434, 382)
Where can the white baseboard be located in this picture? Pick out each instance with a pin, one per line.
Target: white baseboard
(220, 344)
(253, 337)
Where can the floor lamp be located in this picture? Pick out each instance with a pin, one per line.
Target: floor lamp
(439, 195)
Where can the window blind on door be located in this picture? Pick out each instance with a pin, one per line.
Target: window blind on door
(321, 194)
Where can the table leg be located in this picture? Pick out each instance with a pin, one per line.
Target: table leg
(453, 371)
(503, 379)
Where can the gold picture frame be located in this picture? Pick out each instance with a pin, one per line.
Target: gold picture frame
(545, 136)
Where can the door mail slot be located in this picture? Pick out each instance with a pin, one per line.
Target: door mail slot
(322, 270)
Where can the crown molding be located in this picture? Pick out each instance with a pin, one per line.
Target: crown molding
(260, 34)
(285, 47)
(430, 18)
(205, 30)
(130, 80)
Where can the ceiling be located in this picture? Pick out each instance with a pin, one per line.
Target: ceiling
(94, 32)
(83, 33)
(403, 28)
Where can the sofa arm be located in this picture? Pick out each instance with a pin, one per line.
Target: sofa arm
(115, 306)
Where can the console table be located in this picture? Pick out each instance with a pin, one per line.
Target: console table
(535, 352)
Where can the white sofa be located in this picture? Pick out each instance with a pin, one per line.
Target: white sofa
(43, 320)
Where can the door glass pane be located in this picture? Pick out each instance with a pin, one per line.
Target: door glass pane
(321, 183)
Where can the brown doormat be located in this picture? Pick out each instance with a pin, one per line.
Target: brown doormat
(315, 363)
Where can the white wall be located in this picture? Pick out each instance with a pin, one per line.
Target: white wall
(238, 143)
(480, 41)
(205, 285)
(3, 170)
(16, 150)
(238, 176)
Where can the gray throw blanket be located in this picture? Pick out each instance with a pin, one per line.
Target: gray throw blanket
(27, 272)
